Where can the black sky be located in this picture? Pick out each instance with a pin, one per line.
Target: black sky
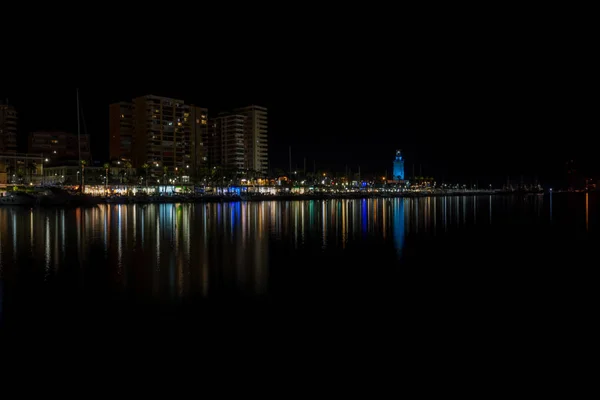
(465, 103)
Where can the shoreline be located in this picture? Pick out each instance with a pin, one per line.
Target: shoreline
(299, 197)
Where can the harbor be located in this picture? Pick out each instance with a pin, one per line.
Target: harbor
(53, 196)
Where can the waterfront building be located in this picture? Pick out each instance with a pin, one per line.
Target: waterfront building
(230, 154)
(69, 175)
(8, 128)
(255, 138)
(121, 131)
(237, 142)
(163, 132)
(59, 147)
(19, 168)
(199, 134)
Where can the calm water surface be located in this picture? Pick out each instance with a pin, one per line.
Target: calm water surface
(314, 261)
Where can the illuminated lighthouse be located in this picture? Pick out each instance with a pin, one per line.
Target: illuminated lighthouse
(398, 166)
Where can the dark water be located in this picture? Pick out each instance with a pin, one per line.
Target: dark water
(420, 265)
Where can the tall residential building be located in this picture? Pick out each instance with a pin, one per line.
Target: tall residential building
(121, 131)
(161, 132)
(255, 138)
(237, 141)
(60, 146)
(198, 121)
(8, 129)
(229, 141)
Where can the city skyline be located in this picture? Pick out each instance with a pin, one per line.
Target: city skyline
(445, 145)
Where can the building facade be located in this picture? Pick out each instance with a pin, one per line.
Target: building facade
(60, 146)
(163, 132)
(230, 154)
(255, 138)
(170, 135)
(398, 167)
(237, 142)
(121, 131)
(69, 175)
(198, 121)
(8, 129)
(22, 169)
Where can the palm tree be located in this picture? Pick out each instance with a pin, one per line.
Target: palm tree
(146, 166)
(128, 168)
(32, 170)
(165, 170)
(10, 171)
(106, 167)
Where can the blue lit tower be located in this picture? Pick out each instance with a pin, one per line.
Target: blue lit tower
(399, 166)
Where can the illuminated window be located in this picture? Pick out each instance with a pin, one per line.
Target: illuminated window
(203, 122)
(54, 141)
(122, 115)
(198, 121)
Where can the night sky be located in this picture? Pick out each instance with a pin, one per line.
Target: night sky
(470, 118)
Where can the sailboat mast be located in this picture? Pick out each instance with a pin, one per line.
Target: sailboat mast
(78, 130)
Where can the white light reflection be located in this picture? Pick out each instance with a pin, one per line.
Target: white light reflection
(63, 237)
(550, 207)
(445, 213)
(435, 201)
(14, 229)
(31, 231)
(47, 251)
(464, 203)
(119, 241)
(324, 223)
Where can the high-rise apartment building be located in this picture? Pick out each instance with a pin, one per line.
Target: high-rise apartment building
(237, 141)
(230, 152)
(255, 138)
(198, 121)
(60, 146)
(162, 134)
(160, 131)
(121, 131)
(8, 129)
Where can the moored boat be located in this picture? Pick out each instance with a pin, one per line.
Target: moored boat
(18, 199)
